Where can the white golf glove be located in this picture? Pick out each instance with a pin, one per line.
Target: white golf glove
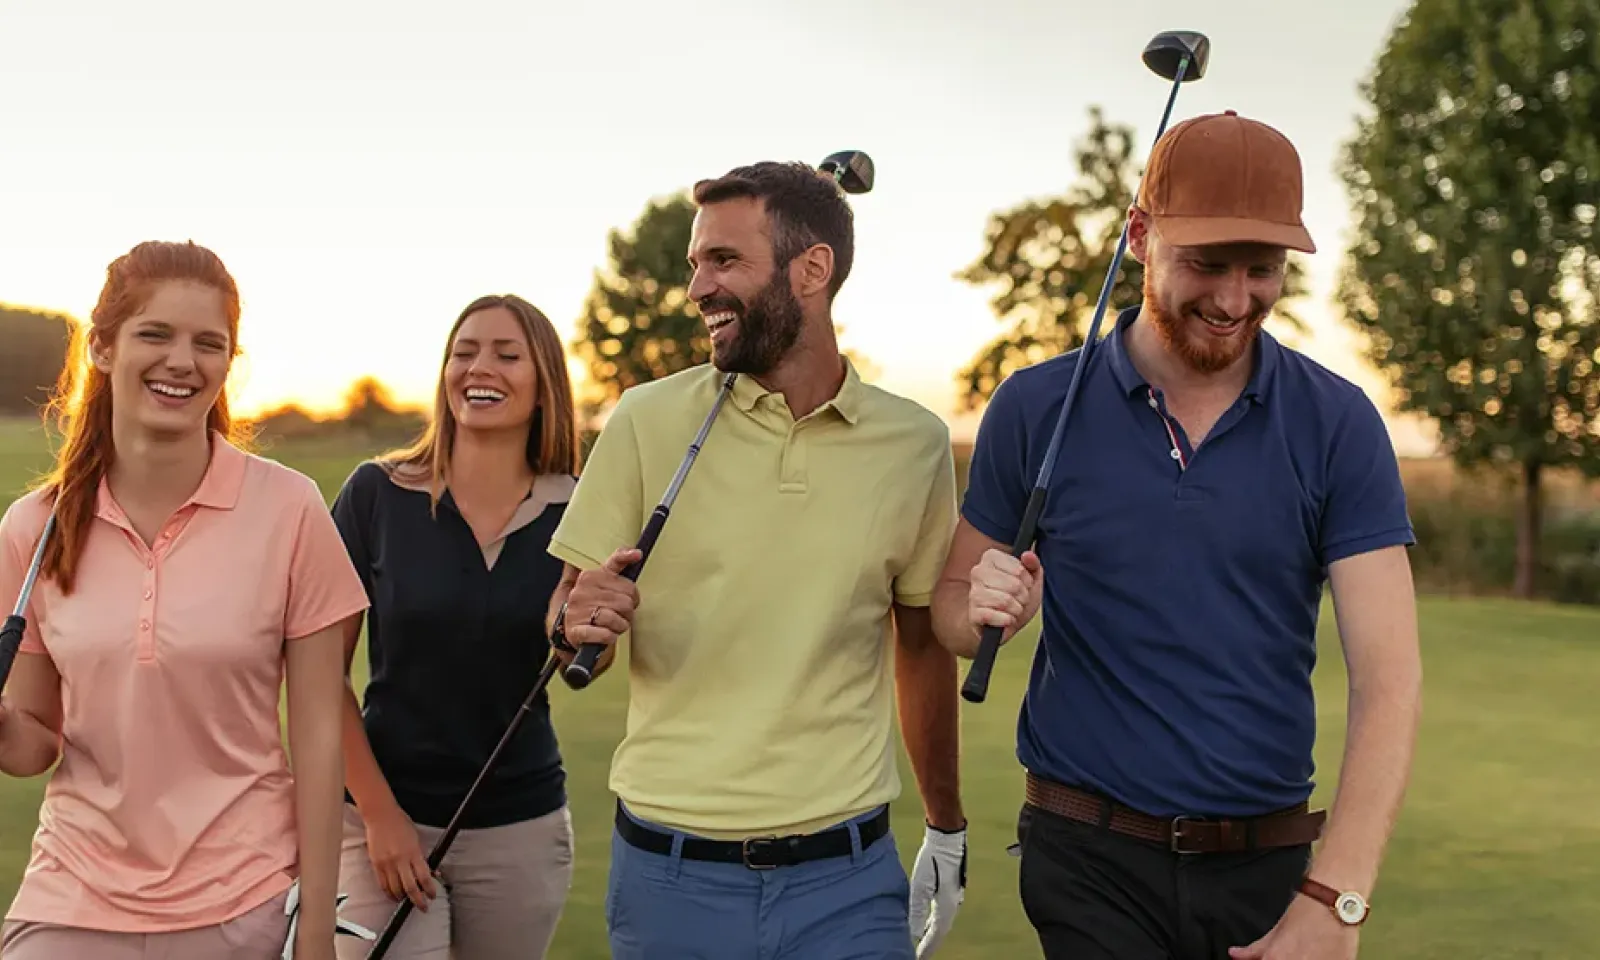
(938, 887)
(291, 909)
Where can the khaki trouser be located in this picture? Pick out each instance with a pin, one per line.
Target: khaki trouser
(256, 935)
(499, 892)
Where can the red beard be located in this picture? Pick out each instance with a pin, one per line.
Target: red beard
(1203, 352)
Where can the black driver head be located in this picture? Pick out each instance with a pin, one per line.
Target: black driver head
(1166, 50)
(851, 168)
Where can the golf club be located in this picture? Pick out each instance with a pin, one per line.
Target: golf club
(1179, 56)
(17, 623)
(853, 170)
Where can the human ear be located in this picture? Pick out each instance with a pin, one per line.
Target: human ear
(1140, 238)
(815, 269)
(99, 352)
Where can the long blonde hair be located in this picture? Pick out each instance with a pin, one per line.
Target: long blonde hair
(553, 444)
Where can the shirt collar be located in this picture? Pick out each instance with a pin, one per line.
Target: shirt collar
(1265, 367)
(847, 402)
(219, 486)
(546, 489)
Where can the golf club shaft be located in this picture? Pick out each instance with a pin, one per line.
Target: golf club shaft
(976, 686)
(442, 846)
(16, 624)
(581, 670)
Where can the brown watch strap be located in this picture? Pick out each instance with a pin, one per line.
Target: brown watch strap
(1323, 893)
(1320, 892)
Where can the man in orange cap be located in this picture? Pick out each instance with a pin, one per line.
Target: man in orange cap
(1211, 480)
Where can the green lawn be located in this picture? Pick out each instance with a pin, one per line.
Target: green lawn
(1497, 854)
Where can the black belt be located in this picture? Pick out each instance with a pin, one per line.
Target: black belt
(757, 853)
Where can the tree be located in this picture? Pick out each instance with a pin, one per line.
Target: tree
(1047, 259)
(638, 323)
(1473, 269)
(35, 349)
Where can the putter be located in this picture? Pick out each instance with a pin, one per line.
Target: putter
(854, 171)
(17, 623)
(1179, 56)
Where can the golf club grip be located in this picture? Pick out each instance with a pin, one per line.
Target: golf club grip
(976, 686)
(581, 670)
(10, 641)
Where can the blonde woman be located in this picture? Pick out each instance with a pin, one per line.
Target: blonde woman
(450, 540)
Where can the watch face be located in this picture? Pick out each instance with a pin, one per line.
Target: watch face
(1351, 908)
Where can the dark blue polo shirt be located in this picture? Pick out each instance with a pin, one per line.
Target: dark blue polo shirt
(454, 644)
(1182, 589)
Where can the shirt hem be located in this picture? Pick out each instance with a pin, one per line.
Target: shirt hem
(117, 920)
(716, 829)
(1393, 537)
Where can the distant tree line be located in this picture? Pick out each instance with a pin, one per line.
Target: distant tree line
(34, 348)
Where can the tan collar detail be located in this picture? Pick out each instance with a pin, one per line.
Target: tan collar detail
(546, 489)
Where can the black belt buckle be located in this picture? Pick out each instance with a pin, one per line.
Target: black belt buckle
(747, 846)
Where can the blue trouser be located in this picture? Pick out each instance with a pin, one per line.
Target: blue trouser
(666, 907)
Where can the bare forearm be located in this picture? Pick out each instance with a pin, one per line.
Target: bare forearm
(363, 777)
(1379, 742)
(930, 723)
(950, 623)
(27, 747)
(317, 714)
(319, 803)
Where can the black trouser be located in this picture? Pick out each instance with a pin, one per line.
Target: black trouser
(1093, 894)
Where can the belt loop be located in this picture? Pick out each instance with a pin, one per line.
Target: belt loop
(675, 867)
(854, 826)
(1105, 813)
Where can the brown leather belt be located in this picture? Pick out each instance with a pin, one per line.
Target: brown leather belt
(1286, 828)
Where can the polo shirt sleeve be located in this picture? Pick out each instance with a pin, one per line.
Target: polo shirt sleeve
(914, 586)
(324, 587)
(603, 514)
(352, 516)
(998, 483)
(19, 536)
(1365, 506)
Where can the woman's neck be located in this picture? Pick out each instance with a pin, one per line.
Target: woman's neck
(491, 466)
(157, 471)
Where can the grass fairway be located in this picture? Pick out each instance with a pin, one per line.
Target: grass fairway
(1497, 854)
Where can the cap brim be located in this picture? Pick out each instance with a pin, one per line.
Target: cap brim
(1207, 231)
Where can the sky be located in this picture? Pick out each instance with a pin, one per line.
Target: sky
(366, 169)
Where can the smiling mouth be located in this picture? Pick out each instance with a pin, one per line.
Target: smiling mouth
(720, 320)
(170, 391)
(1218, 324)
(483, 396)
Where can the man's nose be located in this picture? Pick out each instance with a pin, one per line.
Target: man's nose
(1233, 296)
(699, 286)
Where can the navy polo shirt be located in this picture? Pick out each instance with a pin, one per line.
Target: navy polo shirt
(455, 640)
(1182, 587)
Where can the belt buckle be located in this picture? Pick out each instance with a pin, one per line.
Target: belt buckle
(744, 852)
(1177, 833)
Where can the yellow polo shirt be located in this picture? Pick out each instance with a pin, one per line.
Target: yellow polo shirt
(761, 660)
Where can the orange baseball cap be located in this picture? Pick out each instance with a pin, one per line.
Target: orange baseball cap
(1222, 178)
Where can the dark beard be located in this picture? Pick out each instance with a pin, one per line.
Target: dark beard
(1171, 329)
(768, 327)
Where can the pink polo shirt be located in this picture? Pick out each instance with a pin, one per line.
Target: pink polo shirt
(173, 803)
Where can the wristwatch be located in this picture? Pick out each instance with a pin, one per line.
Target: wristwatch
(558, 631)
(1350, 907)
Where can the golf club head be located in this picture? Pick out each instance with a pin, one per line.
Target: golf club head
(1163, 53)
(851, 168)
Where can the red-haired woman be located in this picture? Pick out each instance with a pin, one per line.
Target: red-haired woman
(450, 537)
(183, 580)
